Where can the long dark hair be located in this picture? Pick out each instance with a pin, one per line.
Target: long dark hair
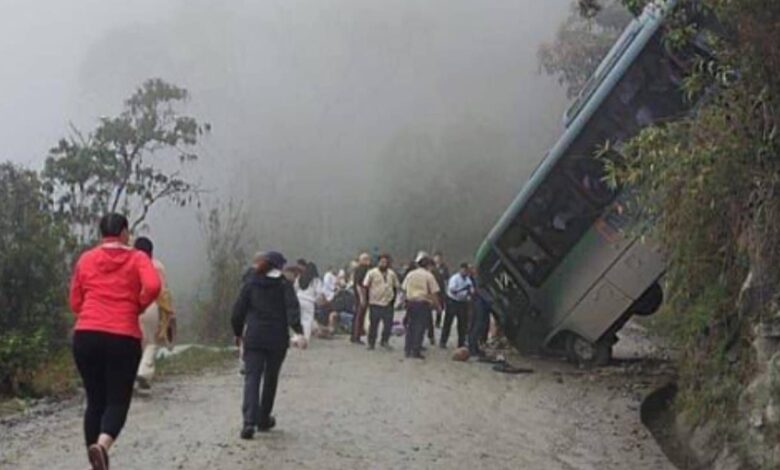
(309, 274)
(263, 267)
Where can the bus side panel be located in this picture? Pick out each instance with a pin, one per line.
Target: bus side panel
(597, 312)
(637, 269)
(584, 265)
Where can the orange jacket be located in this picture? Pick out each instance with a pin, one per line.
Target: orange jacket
(112, 284)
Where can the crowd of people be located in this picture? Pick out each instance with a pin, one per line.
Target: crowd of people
(372, 301)
(124, 312)
(276, 298)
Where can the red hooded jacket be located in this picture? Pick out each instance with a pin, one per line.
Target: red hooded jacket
(112, 284)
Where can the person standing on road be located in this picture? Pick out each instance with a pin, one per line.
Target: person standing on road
(247, 276)
(266, 309)
(308, 287)
(361, 297)
(157, 321)
(442, 273)
(422, 295)
(112, 285)
(382, 286)
(459, 292)
(480, 321)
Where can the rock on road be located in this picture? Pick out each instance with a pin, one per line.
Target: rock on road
(341, 407)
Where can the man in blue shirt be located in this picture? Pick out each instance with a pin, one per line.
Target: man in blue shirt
(460, 289)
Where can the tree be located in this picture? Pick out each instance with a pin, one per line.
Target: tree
(33, 276)
(124, 164)
(591, 8)
(227, 238)
(581, 42)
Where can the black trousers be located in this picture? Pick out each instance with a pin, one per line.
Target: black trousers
(260, 365)
(455, 310)
(440, 312)
(418, 315)
(358, 321)
(480, 323)
(383, 314)
(107, 364)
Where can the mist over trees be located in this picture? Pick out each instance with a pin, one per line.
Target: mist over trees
(338, 128)
(124, 164)
(581, 42)
(307, 112)
(452, 204)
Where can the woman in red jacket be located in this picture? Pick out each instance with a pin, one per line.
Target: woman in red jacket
(111, 285)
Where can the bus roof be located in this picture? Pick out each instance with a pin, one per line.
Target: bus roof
(612, 68)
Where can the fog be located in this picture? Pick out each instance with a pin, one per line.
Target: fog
(341, 125)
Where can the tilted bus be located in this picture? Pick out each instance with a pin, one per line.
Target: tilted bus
(559, 266)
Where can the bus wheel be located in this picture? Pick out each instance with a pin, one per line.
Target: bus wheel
(583, 352)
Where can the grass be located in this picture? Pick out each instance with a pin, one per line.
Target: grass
(194, 360)
(59, 378)
(10, 406)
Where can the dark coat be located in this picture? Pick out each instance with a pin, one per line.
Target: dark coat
(265, 311)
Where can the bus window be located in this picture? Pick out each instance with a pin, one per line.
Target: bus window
(533, 262)
(557, 216)
(588, 174)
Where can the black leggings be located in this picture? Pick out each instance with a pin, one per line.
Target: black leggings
(108, 364)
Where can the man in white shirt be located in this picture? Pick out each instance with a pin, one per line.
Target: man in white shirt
(460, 289)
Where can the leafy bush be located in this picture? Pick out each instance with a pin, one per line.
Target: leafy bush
(33, 277)
(711, 182)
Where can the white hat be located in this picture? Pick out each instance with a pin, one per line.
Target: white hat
(420, 256)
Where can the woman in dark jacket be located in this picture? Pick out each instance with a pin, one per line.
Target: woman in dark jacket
(265, 311)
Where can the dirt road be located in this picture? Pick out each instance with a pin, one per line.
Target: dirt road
(342, 407)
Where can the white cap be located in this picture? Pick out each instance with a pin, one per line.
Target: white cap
(420, 256)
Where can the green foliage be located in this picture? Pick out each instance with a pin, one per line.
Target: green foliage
(54, 376)
(20, 354)
(225, 228)
(124, 164)
(590, 8)
(711, 183)
(194, 360)
(32, 276)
